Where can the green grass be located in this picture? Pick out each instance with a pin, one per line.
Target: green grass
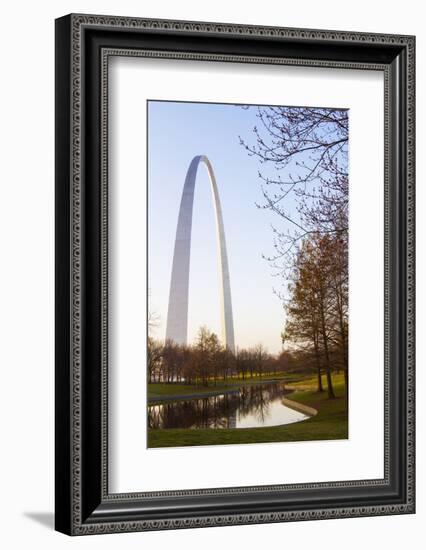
(331, 422)
(166, 390)
(159, 390)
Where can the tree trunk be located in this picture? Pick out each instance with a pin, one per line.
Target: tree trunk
(331, 394)
(318, 364)
(345, 372)
(320, 388)
(343, 342)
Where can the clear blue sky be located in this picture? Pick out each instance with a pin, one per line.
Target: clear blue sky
(176, 133)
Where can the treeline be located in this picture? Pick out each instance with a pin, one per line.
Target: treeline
(207, 361)
(317, 308)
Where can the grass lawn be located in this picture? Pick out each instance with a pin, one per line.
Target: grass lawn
(168, 390)
(156, 391)
(331, 422)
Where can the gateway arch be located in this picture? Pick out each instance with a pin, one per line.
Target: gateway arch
(177, 316)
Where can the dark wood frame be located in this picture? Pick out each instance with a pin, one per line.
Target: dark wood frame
(83, 46)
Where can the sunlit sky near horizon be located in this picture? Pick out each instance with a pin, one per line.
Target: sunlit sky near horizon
(176, 133)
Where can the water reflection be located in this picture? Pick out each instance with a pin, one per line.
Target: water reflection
(248, 407)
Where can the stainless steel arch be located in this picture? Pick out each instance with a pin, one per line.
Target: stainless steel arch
(177, 316)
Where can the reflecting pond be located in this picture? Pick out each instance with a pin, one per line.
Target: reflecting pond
(247, 407)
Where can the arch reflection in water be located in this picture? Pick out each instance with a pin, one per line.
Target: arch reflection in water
(248, 407)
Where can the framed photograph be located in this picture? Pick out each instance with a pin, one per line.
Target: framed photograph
(234, 274)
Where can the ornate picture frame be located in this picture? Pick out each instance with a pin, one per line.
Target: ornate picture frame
(84, 44)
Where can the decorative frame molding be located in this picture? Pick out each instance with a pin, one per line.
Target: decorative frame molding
(84, 44)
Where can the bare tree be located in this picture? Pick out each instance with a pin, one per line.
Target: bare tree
(154, 357)
(306, 151)
(260, 357)
(153, 317)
